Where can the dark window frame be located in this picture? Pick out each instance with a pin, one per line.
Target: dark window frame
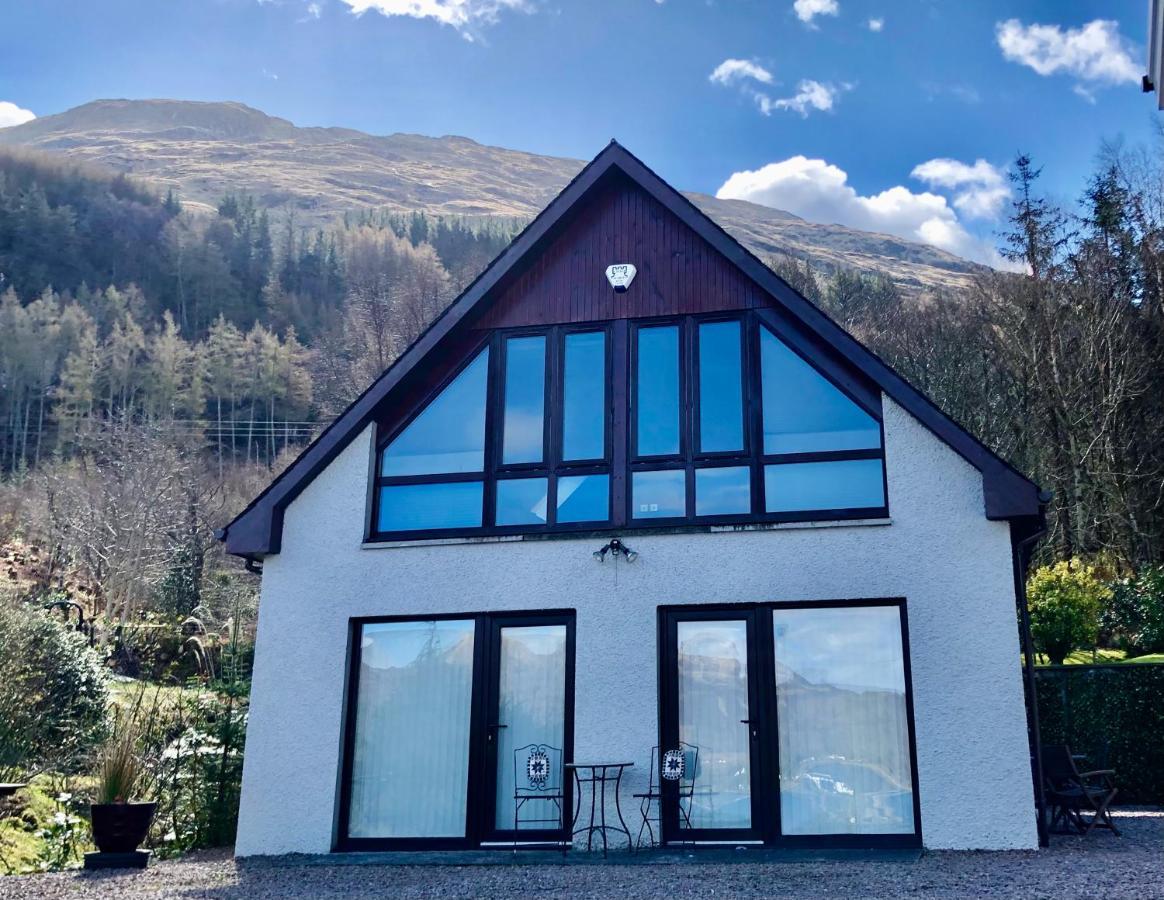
(621, 434)
(766, 824)
(478, 826)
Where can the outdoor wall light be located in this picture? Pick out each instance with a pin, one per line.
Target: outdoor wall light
(616, 548)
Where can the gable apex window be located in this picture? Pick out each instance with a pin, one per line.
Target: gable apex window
(722, 422)
(449, 434)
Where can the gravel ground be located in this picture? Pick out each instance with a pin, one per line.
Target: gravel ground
(1101, 866)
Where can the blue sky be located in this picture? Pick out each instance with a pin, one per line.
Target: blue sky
(894, 115)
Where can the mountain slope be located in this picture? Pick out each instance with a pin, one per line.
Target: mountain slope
(205, 150)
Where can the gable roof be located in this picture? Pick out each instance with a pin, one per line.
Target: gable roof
(257, 530)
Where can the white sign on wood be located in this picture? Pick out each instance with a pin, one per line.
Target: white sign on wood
(620, 276)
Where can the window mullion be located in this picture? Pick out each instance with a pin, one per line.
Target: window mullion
(494, 429)
(618, 402)
(754, 385)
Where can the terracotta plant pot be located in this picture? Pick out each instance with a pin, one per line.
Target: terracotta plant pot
(121, 827)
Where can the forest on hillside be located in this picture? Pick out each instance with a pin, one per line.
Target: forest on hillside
(158, 364)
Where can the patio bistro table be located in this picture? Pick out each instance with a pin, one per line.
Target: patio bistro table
(599, 775)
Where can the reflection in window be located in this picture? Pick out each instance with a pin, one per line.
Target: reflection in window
(584, 396)
(844, 484)
(583, 498)
(803, 411)
(412, 719)
(804, 435)
(657, 400)
(522, 501)
(723, 491)
(721, 388)
(449, 435)
(713, 699)
(416, 507)
(843, 735)
(525, 399)
(532, 703)
(659, 495)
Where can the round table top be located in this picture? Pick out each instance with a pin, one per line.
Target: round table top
(598, 765)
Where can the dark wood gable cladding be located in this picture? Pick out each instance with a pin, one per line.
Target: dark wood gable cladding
(617, 210)
(679, 272)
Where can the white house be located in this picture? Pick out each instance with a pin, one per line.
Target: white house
(814, 592)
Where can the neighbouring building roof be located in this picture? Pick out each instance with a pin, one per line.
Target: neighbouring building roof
(257, 530)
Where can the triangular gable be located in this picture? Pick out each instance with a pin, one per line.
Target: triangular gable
(1007, 493)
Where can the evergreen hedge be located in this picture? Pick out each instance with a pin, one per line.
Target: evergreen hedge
(1115, 715)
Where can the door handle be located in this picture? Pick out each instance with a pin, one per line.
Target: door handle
(493, 727)
(755, 732)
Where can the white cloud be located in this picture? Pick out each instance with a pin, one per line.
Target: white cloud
(809, 95)
(818, 191)
(1094, 53)
(11, 114)
(876, 24)
(807, 10)
(314, 10)
(733, 71)
(460, 14)
(980, 190)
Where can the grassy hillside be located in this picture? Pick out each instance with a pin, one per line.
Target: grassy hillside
(206, 150)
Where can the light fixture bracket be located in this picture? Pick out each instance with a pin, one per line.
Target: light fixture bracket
(615, 548)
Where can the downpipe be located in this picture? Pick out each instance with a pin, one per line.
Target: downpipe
(1021, 556)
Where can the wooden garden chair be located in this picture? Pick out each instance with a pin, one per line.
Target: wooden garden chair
(1071, 793)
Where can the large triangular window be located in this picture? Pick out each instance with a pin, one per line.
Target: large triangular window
(822, 451)
(804, 412)
(717, 420)
(449, 434)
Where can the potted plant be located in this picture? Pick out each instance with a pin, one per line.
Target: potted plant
(120, 820)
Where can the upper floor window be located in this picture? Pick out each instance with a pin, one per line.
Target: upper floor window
(719, 421)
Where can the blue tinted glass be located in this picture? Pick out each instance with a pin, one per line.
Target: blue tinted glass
(449, 434)
(412, 507)
(659, 495)
(657, 403)
(584, 397)
(522, 501)
(584, 498)
(721, 388)
(803, 411)
(848, 484)
(723, 491)
(525, 399)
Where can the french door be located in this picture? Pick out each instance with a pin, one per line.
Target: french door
(529, 709)
(798, 721)
(442, 714)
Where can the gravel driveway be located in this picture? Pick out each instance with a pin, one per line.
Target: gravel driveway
(1101, 865)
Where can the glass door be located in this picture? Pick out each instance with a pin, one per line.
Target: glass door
(529, 733)
(845, 746)
(795, 723)
(711, 713)
(409, 735)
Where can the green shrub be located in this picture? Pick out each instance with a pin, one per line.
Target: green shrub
(1134, 615)
(53, 694)
(192, 746)
(1065, 601)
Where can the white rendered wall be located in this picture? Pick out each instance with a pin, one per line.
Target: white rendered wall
(940, 553)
